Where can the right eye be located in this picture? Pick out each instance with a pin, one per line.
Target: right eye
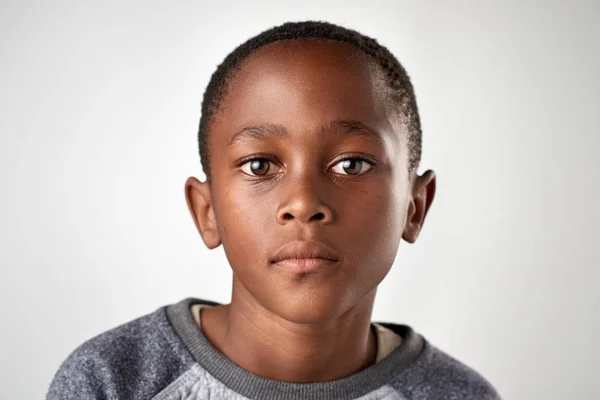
(256, 167)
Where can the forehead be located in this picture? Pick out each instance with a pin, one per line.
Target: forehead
(303, 85)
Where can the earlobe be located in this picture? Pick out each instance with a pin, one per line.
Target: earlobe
(199, 201)
(423, 192)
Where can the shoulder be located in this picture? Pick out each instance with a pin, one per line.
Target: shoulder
(437, 375)
(134, 360)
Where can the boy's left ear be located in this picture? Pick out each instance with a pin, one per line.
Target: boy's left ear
(423, 192)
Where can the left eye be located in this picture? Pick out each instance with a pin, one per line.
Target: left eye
(352, 166)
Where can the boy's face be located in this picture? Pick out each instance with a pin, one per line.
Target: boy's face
(312, 105)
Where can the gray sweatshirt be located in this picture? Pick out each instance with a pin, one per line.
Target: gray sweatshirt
(164, 355)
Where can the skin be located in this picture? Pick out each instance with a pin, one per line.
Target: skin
(308, 327)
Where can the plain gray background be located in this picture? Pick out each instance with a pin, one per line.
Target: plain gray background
(100, 103)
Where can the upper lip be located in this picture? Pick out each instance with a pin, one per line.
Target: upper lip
(304, 249)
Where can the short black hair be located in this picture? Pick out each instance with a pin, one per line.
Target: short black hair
(397, 79)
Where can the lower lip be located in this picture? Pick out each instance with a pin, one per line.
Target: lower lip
(305, 265)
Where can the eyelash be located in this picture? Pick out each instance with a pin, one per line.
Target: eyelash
(270, 159)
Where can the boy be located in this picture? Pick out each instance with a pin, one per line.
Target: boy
(310, 140)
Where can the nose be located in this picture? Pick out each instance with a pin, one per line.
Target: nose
(303, 200)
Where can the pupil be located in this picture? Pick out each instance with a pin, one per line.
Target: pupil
(255, 166)
(348, 164)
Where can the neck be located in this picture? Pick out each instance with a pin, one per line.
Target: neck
(272, 347)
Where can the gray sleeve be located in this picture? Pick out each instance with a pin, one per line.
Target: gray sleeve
(135, 360)
(437, 375)
(76, 379)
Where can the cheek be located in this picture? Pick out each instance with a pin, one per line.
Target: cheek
(244, 220)
(377, 211)
(379, 222)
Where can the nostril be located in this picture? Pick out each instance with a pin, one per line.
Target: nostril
(318, 216)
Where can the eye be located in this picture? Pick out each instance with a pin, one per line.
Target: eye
(256, 167)
(352, 166)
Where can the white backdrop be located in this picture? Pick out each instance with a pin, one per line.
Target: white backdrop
(100, 103)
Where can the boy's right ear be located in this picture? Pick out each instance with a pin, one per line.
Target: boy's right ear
(199, 201)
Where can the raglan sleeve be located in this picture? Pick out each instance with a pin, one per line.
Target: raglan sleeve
(78, 377)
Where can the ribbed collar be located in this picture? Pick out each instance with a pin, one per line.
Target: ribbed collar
(256, 387)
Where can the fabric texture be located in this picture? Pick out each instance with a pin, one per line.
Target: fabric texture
(164, 355)
(387, 341)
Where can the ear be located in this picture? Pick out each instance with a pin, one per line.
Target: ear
(199, 201)
(423, 191)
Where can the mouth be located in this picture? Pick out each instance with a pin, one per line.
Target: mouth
(305, 265)
(304, 257)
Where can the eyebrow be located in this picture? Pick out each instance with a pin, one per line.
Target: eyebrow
(263, 131)
(259, 132)
(352, 128)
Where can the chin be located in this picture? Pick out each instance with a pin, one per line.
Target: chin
(309, 305)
